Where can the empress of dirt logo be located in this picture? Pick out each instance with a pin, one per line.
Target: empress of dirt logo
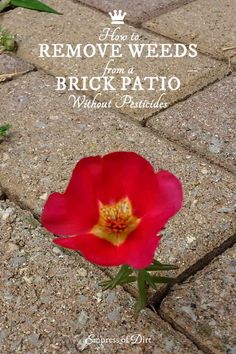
(119, 78)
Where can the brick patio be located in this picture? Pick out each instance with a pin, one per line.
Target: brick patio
(49, 304)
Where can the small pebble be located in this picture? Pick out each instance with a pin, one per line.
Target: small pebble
(227, 210)
(82, 272)
(57, 250)
(204, 171)
(5, 157)
(18, 261)
(114, 315)
(190, 239)
(12, 247)
(99, 297)
(215, 145)
(44, 196)
(83, 318)
(40, 125)
(34, 338)
(189, 311)
(6, 213)
(111, 297)
(28, 280)
(3, 335)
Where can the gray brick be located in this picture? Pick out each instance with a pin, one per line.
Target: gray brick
(204, 122)
(80, 24)
(137, 11)
(48, 138)
(211, 24)
(51, 301)
(204, 307)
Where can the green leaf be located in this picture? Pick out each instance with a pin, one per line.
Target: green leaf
(161, 267)
(119, 279)
(4, 129)
(128, 280)
(142, 299)
(163, 280)
(33, 5)
(150, 281)
(107, 284)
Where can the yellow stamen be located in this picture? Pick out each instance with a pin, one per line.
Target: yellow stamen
(115, 222)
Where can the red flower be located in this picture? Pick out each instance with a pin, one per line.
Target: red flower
(113, 209)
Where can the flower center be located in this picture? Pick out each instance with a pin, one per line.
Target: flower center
(115, 222)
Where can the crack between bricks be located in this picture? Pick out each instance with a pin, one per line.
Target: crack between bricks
(3, 196)
(138, 24)
(144, 123)
(175, 40)
(154, 305)
(178, 328)
(7, 195)
(199, 265)
(158, 13)
(13, 76)
(204, 155)
(158, 297)
(156, 300)
(209, 84)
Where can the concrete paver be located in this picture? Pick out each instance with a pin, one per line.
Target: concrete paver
(48, 138)
(204, 122)
(205, 305)
(210, 24)
(32, 28)
(51, 302)
(11, 66)
(50, 299)
(144, 10)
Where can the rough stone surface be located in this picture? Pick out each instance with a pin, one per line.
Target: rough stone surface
(50, 301)
(204, 122)
(10, 64)
(48, 138)
(205, 305)
(144, 10)
(213, 26)
(32, 28)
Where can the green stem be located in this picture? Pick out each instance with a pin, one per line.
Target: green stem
(4, 4)
(142, 298)
(127, 275)
(124, 272)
